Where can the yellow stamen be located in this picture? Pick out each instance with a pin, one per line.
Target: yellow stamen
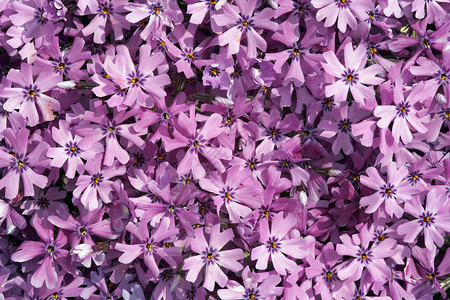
(105, 10)
(210, 256)
(273, 244)
(329, 275)
(365, 256)
(426, 219)
(157, 10)
(149, 246)
(31, 94)
(227, 196)
(245, 23)
(381, 238)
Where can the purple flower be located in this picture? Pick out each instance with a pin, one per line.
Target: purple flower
(255, 287)
(431, 220)
(241, 22)
(21, 162)
(107, 10)
(344, 11)
(275, 246)
(186, 135)
(150, 246)
(389, 192)
(136, 82)
(354, 76)
(95, 188)
(211, 256)
(50, 248)
(404, 114)
(70, 150)
(28, 94)
(365, 255)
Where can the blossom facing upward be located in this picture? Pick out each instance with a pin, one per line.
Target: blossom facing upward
(211, 256)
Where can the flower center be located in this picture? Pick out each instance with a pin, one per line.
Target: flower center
(105, 10)
(20, 164)
(196, 144)
(381, 237)
(350, 77)
(214, 72)
(165, 116)
(329, 275)
(245, 23)
(61, 66)
(364, 256)
(135, 81)
(31, 94)
(83, 231)
(50, 249)
(227, 196)
(149, 247)
(190, 56)
(156, 10)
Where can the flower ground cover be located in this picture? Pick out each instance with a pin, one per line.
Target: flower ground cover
(213, 149)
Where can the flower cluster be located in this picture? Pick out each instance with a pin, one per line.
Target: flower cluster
(212, 149)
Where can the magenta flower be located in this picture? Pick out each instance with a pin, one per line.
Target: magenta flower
(432, 220)
(149, 245)
(89, 223)
(389, 192)
(21, 163)
(109, 129)
(67, 62)
(50, 248)
(237, 196)
(28, 94)
(324, 271)
(95, 188)
(107, 10)
(136, 82)
(365, 255)
(254, 287)
(186, 135)
(241, 22)
(354, 76)
(404, 114)
(275, 246)
(165, 116)
(211, 256)
(70, 150)
(157, 15)
(344, 11)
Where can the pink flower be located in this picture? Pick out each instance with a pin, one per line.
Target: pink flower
(389, 192)
(354, 76)
(212, 256)
(27, 92)
(275, 246)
